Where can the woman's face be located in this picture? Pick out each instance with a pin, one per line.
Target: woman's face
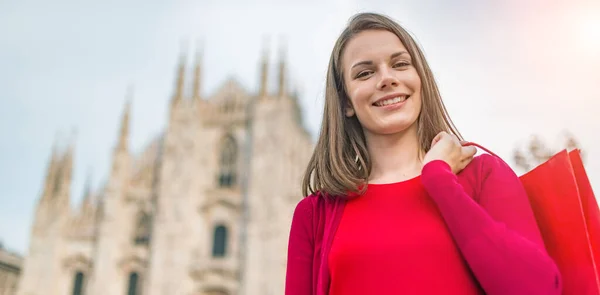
(383, 85)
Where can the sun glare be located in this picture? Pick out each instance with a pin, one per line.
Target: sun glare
(588, 32)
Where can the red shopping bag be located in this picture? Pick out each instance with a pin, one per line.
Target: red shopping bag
(589, 206)
(568, 217)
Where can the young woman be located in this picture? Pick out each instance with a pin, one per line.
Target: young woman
(397, 204)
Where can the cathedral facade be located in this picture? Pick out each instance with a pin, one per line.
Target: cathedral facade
(204, 209)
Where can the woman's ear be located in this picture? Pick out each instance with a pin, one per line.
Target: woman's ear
(348, 108)
(349, 111)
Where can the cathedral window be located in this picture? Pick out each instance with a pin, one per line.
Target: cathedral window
(142, 229)
(219, 241)
(78, 283)
(228, 163)
(132, 289)
(228, 106)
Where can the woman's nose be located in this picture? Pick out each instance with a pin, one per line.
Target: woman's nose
(387, 79)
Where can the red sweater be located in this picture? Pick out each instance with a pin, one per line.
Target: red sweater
(486, 211)
(393, 240)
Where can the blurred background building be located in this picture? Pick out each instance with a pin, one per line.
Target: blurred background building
(10, 271)
(204, 209)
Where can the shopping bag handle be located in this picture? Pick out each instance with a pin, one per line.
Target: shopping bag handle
(468, 143)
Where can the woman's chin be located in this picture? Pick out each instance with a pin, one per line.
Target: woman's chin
(394, 128)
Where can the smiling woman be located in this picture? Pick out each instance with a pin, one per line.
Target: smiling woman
(384, 88)
(395, 204)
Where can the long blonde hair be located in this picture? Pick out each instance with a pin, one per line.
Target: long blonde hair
(340, 163)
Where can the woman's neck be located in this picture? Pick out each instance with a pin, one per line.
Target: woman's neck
(395, 157)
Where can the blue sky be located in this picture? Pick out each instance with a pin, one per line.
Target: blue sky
(507, 69)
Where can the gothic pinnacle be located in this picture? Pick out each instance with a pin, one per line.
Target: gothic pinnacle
(282, 69)
(264, 70)
(180, 80)
(124, 131)
(197, 71)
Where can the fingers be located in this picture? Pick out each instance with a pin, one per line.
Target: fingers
(450, 148)
(455, 139)
(446, 136)
(468, 151)
(438, 137)
(467, 155)
(464, 163)
(442, 136)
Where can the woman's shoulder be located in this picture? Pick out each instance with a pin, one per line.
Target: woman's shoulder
(306, 207)
(485, 169)
(315, 202)
(484, 164)
(306, 204)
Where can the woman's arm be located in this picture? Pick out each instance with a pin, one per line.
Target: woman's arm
(498, 236)
(299, 274)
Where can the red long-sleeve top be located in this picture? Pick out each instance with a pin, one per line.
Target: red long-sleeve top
(393, 240)
(479, 225)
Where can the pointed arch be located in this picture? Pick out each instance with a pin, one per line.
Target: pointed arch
(79, 267)
(228, 161)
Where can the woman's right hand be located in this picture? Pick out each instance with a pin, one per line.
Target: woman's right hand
(447, 147)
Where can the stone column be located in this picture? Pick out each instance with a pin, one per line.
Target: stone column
(8, 284)
(3, 282)
(10, 281)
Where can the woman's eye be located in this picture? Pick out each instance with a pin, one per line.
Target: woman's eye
(363, 74)
(401, 64)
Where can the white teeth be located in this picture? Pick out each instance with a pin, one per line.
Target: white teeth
(391, 101)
